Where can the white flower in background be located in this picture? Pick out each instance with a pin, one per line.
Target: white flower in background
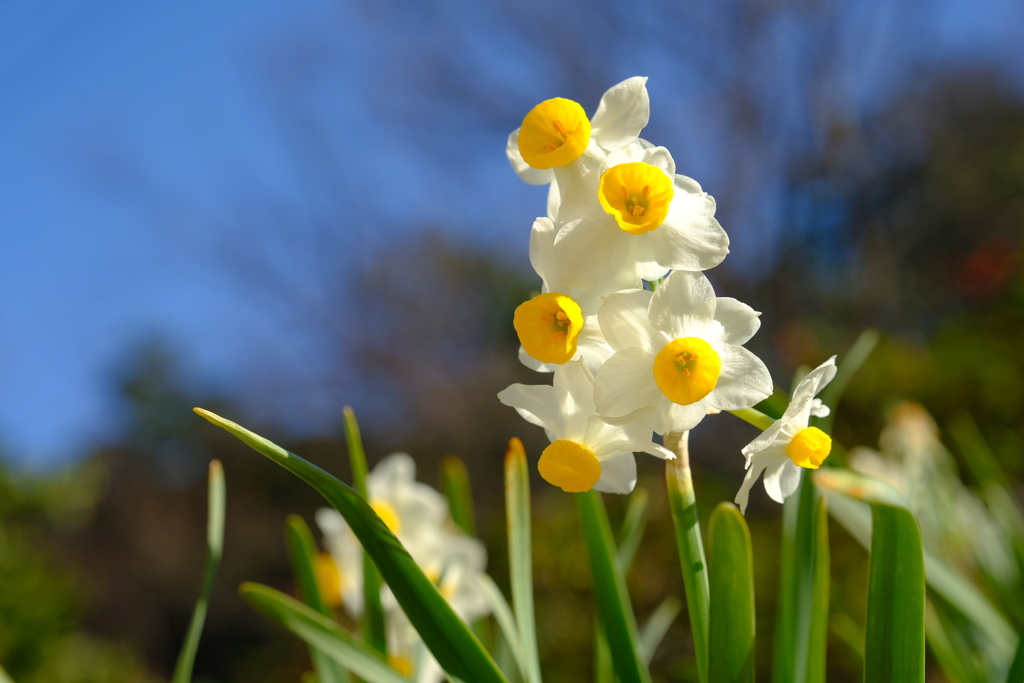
(646, 220)
(415, 513)
(418, 515)
(679, 351)
(557, 134)
(789, 444)
(586, 450)
(956, 524)
(561, 324)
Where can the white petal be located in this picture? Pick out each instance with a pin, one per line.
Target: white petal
(618, 474)
(534, 364)
(744, 381)
(673, 417)
(780, 479)
(542, 251)
(767, 438)
(624, 322)
(623, 112)
(760, 462)
(536, 404)
(529, 174)
(592, 251)
(684, 304)
(739, 321)
(574, 389)
(803, 396)
(819, 409)
(661, 158)
(626, 383)
(694, 239)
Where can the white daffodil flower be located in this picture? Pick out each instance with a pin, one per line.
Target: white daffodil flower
(561, 324)
(789, 443)
(586, 450)
(414, 512)
(679, 352)
(557, 134)
(647, 220)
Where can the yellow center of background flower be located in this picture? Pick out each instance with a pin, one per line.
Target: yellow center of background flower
(547, 326)
(687, 369)
(328, 578)
(402, 665)
(809, 448)
(569, 466)
(387, 515)
(554, 133)
(637, 195)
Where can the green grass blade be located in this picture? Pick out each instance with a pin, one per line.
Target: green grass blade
(520, 554)
(802, 617)
(4, 678)
(632, 531)
(948, 650)
(847, 368)
(456, 488)
(1016, 674)
(321, 634)
(894, 634)
(820, 582)
(214, 549)
(372, 623)
(604, 670)
(683, 504)
(302, 550)
(506, 621)
(731, 580)
(450, 641)
(613, 606)
(657, 626)
(953, 586)
(894, 641)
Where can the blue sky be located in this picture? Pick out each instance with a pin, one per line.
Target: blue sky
(130, 133)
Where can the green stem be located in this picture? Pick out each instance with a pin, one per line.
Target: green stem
(683, 503)
(754, 417)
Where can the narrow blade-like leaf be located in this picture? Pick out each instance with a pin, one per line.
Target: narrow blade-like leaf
(303, 552)
(731, 580)
(506, 621)
(520, 554)
(372, 623)
(1016, 674)
(613, 606)
(894, 642)
(802, 617)
(657, 626)
(455, 484)
(683, 504)
(321, 634)
(450, 641)
(214, 549)
(632, 531)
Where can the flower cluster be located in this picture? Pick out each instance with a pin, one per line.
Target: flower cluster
(418, 515)
(626, 319)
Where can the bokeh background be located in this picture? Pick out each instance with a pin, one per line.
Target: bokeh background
(275, 209)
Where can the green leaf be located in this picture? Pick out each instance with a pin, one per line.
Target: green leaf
(632, 531)
(894, 634)
(848, 509)
(683, 504)
(847, 368)
(802, 616)
(455, 484)
(453, 645)
(372, 623)
(657, 626)
(1016, 674)
(731, 580)
(214, 549)
(613, 606)
(302, 550)
(4, 678)
(520, 557)
(506, 622)
(321, 633)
